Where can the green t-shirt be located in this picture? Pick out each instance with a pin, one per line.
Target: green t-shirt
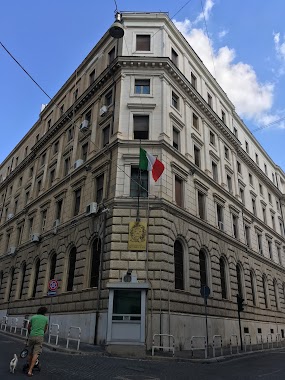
(38, 323)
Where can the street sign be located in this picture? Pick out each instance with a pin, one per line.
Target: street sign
(52, 285)
(51, 293)
(205, 291)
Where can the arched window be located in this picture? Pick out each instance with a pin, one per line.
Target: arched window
(253, 287)
(95, 263)
(52, 266)
(276, 294)
(71, 269)
(178, 265)
(22, 281)
(36, 277)
(264, 284)
(9, 293)
(239, 280)
(203, 268)
(223, 278)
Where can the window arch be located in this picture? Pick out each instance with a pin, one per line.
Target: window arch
(52, 266)
(36, 277)
(95, 263)
(239, 280)
(22, 281)
(178, 265)
(265, 290)
(10, 287)
(71, 269)
(253, 286)
(223, 278)
(203, 268)
(276, 294)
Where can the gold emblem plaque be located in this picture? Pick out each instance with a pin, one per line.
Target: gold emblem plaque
(137, 236)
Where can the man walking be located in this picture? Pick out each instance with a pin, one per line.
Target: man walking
(37, 327)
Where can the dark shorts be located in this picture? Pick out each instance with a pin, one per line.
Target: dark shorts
(36, 344)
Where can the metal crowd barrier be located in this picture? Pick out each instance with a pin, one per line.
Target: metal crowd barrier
(25, 323)
(247, 342)
(260, 341)
(14, 324)
(218, 345)
(169, 348)
(78, 329)
(278, 339)
(204, 344)
(233, 337)
(52, 333)
(4, 323)
(269, 340)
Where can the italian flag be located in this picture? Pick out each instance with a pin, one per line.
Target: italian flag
(151, 163)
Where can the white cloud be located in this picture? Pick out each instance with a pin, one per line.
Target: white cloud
(206, 12)
(251, 98)
(223, 33)
(279, 46)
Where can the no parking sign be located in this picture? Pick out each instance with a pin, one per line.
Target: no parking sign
(52, 285)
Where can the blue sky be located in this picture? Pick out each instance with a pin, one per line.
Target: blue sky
(50, 39)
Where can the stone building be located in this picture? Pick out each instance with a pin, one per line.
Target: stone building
(69, 191)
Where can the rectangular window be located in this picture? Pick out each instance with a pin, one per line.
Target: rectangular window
(139, 177)
(229, 183)
(27, 197)
(241, 193)
(264, 214)
(235, 132)
(201, 205)
(212, 138)
(88, 117)
(31, 224)
(44, 219)
(142, 86)
(176, 139)
(259, 240)
(59, 209)
(273, 221)
(281, 228)
(37, 137)
(210, 100)
(142, 42)
(141, 127)
(20, 234)
(43, 160)
(70, 134)
(26, 151)
(61, 109)
(256, 158)
(220, 217)
(49, 124)
(246, 147)
(197, 156)
(175, 100)
(223, 117)
(227, 154)
(39, 186)
(277, 205)
(195, 122)
(51, 176)
(279, 255)
(55, 147)
(250, 178)
(265, 169)
(247, 235)
(261, 189)
(31, 171)
(193, 81)
(84, 152)
(253, 206)
(75, 94)
(174, 57)
(269, 198)
(239, 167)
(178, 191)
(270, 248)
(106, 135)
(99, 188)
(111, 55)
(215, 171)
(66, 166)
(15, 206)
(235, 225)
(273, 178)
(77, 198)
(92, 77)
(109, 98)
(20, 181)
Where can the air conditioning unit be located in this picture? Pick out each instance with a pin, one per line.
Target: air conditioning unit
(78, 163)
(131, 278)
(221, 225)
(35, 237)
(103, 110)
(11, 250)
(84, 125)
(10, 216)
(92, 208)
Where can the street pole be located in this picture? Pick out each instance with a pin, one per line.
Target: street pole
(206, 315)
(241, 345)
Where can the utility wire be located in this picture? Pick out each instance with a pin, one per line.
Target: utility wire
(268, 125)
(180, 9)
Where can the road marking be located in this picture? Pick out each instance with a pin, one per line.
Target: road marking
(270, 373)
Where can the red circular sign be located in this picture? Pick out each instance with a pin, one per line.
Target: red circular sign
(52, 284)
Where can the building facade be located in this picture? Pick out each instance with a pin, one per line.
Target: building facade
(71, 187)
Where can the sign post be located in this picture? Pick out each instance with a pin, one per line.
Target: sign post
(52, 288)
(205, 292)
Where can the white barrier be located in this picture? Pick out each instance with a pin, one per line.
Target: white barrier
(233, 337)
(260, 341)
(78, 329)
(278, 339)
(25, 323)
(4, 323)
(217, 345)
(14, 324)
(52, 333)
(204, 344)
(169, 348)
(269, 340)
(247, 342)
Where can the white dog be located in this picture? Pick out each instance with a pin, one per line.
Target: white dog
(13, 363)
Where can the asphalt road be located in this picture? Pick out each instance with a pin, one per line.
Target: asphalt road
(60, 366)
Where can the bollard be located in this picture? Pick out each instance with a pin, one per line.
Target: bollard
(231, 343)
(214, 346)
(170, 348)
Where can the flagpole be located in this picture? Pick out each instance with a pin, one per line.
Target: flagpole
(139, 190)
